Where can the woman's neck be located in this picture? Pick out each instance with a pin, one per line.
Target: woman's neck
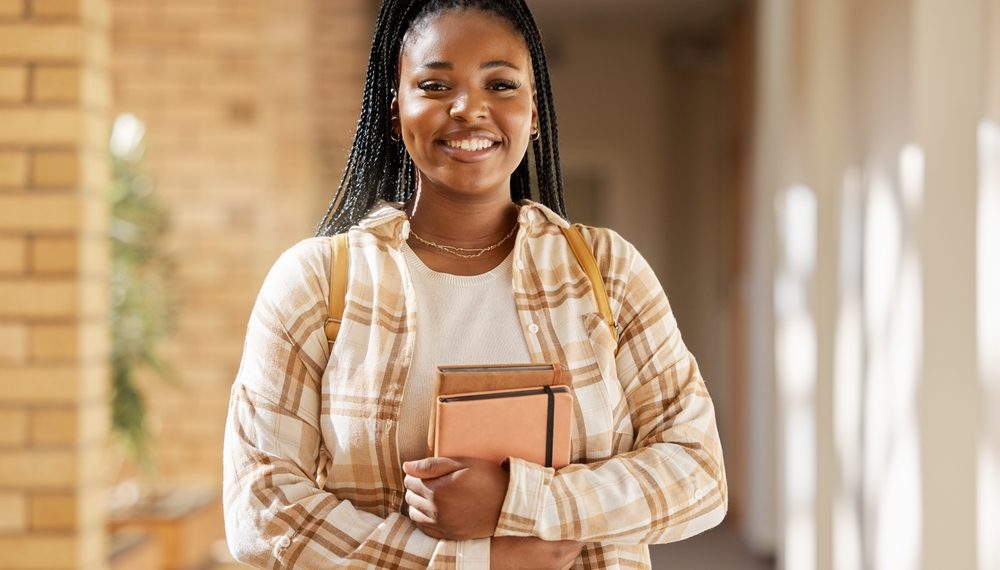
(464, 222)
(461, 221)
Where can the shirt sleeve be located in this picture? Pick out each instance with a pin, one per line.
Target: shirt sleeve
(672, 484)
(276, 515)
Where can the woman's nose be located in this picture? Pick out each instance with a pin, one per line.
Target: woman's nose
(468, 107)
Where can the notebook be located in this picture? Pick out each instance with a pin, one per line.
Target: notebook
(499, 411)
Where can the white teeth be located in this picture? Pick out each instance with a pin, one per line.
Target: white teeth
(470, 144)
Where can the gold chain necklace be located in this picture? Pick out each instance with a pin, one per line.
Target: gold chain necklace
(463, 251)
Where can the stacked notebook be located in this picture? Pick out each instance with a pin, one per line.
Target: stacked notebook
(504, 410)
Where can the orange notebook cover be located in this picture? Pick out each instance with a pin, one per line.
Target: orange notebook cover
(499, 411)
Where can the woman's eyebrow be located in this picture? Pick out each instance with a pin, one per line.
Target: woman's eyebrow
(499, 63)
(493, 64)
(437, 65)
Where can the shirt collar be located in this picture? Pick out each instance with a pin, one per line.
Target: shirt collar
(387, 220)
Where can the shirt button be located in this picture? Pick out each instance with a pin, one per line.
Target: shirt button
(284, 541)
(699, 494)
(519, 265)
(533, 328)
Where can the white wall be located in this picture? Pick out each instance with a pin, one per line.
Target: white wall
(870, 109)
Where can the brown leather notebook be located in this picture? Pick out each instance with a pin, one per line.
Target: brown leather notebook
(499, 411)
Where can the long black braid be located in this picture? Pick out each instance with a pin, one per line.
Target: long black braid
(379, 168)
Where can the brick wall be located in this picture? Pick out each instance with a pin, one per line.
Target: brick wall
(342, 34)
(53, 338)
(240, 100)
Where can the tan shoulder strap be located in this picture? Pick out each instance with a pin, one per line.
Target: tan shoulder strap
(589, 265)
(338, 285)
(339, 268)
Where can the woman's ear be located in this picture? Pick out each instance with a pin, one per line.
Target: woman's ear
(534, 118)
(394, 125)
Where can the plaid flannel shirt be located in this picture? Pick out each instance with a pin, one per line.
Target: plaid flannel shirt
(312, 477)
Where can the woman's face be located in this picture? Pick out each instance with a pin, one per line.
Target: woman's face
(465, 102)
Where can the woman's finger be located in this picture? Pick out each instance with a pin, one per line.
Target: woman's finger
(431, 467)
(421, 504)
(419, 517)
(418, 486)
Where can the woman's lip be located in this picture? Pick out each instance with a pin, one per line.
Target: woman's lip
(470, 135)
(469, 155)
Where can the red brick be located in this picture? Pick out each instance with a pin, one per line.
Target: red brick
(55, 168)
(37, 298)
(40, 384)
(13, 83)
(38, 551)
(12, 258)
(13, 427)
(40, 212)
(55, 342)
(55, 8)
(54, 511)
(36, 469)
(56, 83)
(13, 512)
(40, 126)
(30, 42)
(13, 169)
(59, 255)
(59, 426)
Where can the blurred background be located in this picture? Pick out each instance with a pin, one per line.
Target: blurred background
(815, 182)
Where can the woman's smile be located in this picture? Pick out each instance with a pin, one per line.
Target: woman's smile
(466, 146)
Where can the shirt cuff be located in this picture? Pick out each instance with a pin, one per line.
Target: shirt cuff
(473, 553)
(525, 497)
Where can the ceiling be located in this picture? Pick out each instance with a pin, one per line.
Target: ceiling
(673, 17)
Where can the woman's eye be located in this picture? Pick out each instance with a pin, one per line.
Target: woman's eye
(432, 86)
(505, 85)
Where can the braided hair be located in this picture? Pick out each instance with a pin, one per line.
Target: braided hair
(379, 168)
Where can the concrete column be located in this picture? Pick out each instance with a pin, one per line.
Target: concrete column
(762, 524)
(988, 303)
(825, 110)
(947, 93)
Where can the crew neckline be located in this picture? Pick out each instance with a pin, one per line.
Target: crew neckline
(418, 265)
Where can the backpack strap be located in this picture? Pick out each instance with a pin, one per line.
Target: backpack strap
(586, 258)
(338, 285)
(339, 268)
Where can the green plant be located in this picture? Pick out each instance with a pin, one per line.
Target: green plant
(144, 301)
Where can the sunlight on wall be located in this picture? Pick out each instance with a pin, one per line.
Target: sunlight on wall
(911, 176)
(988, 334)
(795, 347)
(848, 374)
(893, 329)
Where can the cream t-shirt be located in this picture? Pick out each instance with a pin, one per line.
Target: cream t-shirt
(461, 319)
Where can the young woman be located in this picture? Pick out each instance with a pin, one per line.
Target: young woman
(452, 262)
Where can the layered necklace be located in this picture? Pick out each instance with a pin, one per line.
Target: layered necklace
(465, 252)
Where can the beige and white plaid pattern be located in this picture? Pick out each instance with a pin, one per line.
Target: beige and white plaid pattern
(647, 464)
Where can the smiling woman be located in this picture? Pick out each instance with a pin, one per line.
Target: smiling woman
(451, 262)
(379, 166)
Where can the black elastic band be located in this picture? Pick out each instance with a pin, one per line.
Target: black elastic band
(550, 426)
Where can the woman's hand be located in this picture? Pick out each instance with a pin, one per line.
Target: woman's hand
(529, 553)
(456, 499)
